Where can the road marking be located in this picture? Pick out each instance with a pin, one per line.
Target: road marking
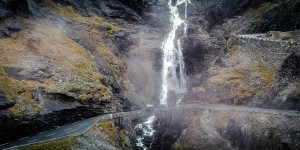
(32, 141)
(4, 144)
(50, 134)
(43, 132)
(68, 129)
(82, 124)
(24, 138)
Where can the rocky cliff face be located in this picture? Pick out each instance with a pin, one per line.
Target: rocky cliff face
(218, 73)
(238, 130)
(58, 65)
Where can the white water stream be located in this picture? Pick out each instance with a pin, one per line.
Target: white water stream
(173, 72)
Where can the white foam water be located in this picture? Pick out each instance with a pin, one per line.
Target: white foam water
(173, 71)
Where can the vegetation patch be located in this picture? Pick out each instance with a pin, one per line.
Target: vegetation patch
(234, 82)
(48, 47)
(225, 76)
(264, 71)
(199, 89)
(113, 134)
(70, 13)
(60, 144)
(14, 90)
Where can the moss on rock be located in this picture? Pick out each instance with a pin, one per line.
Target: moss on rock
(70, 13)
(266, 72)
(113, 134)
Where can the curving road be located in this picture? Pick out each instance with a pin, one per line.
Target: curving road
(81, 127)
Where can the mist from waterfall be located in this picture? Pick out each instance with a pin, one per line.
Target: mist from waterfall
(173, 71)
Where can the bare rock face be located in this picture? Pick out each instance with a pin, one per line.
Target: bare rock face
(284, 92)
(72, 72)
(238, 130)
(4, 103)
(217, 73)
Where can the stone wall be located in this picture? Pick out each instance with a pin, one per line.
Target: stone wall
(263, 50)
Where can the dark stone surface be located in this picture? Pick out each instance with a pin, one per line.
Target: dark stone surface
(4, 103)
(289, 71)
(193, 53)
(38, 75)
(4, 33)
(4, 12)
(217, 11)
(15, 26)
(167, 129)
(107, 8)
(283, 17)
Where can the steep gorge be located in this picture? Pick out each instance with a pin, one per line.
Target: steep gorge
(66, 60)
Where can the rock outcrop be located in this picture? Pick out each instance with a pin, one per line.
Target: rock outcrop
(57, 66)
(238, 130)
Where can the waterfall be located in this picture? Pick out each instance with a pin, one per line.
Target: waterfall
(173, 74)
(173, 71)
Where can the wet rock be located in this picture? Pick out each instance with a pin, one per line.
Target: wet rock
(172, 97)
(4, 103)
(4, 33)
(157, 14)
(167, 130)
(193, 52)
(4, 13)
(15, 26)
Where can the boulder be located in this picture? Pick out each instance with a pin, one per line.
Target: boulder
(4, 103)
(4, 33)
(15, 26)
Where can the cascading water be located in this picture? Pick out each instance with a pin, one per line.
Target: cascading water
(173, 66)
(147, 128)
(173, 74)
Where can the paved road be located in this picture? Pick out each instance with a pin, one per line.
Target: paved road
(81, 127)
(73, 129)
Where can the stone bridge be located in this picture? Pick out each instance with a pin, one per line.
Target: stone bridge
(123, 117)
